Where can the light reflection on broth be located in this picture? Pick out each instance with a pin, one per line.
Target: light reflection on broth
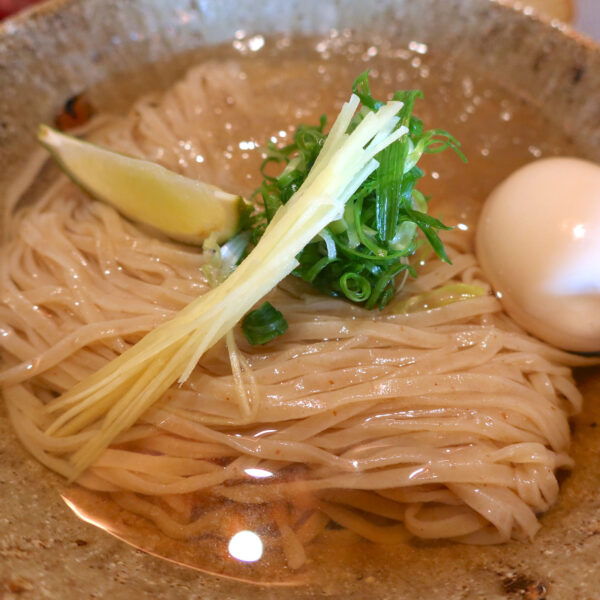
(239, 530)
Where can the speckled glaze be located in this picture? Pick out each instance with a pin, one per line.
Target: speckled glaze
(64, 47)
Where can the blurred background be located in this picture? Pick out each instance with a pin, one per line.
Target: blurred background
(584, 15)
(588, 17)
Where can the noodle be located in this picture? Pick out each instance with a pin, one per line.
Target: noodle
(445, 423)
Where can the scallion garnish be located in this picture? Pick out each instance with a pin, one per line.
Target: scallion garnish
(263, 324)
(359, 256)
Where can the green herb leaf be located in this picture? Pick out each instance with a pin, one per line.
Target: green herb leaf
(263, 324)
(362, 89)
(359, 256)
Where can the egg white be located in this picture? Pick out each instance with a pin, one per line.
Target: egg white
(538, 243)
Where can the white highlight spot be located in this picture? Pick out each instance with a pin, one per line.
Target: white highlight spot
(246, 546)
(418, 47)
(256, 43)
(258, 473)
(579, 231)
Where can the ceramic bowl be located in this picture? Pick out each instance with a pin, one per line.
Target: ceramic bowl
(64, 47)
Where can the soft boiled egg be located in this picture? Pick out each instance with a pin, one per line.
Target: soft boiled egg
(538, 242)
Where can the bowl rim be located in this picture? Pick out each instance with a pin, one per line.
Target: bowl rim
(25, 17)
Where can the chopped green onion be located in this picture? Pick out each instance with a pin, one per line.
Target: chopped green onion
(355, 287)
(223, 259)
(263, 324)
(358, 256)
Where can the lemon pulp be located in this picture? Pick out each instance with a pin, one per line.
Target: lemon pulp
(182, 208)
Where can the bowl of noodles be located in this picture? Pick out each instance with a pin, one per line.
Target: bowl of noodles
(429, 447)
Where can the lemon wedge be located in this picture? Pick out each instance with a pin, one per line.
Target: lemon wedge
(182, 208)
